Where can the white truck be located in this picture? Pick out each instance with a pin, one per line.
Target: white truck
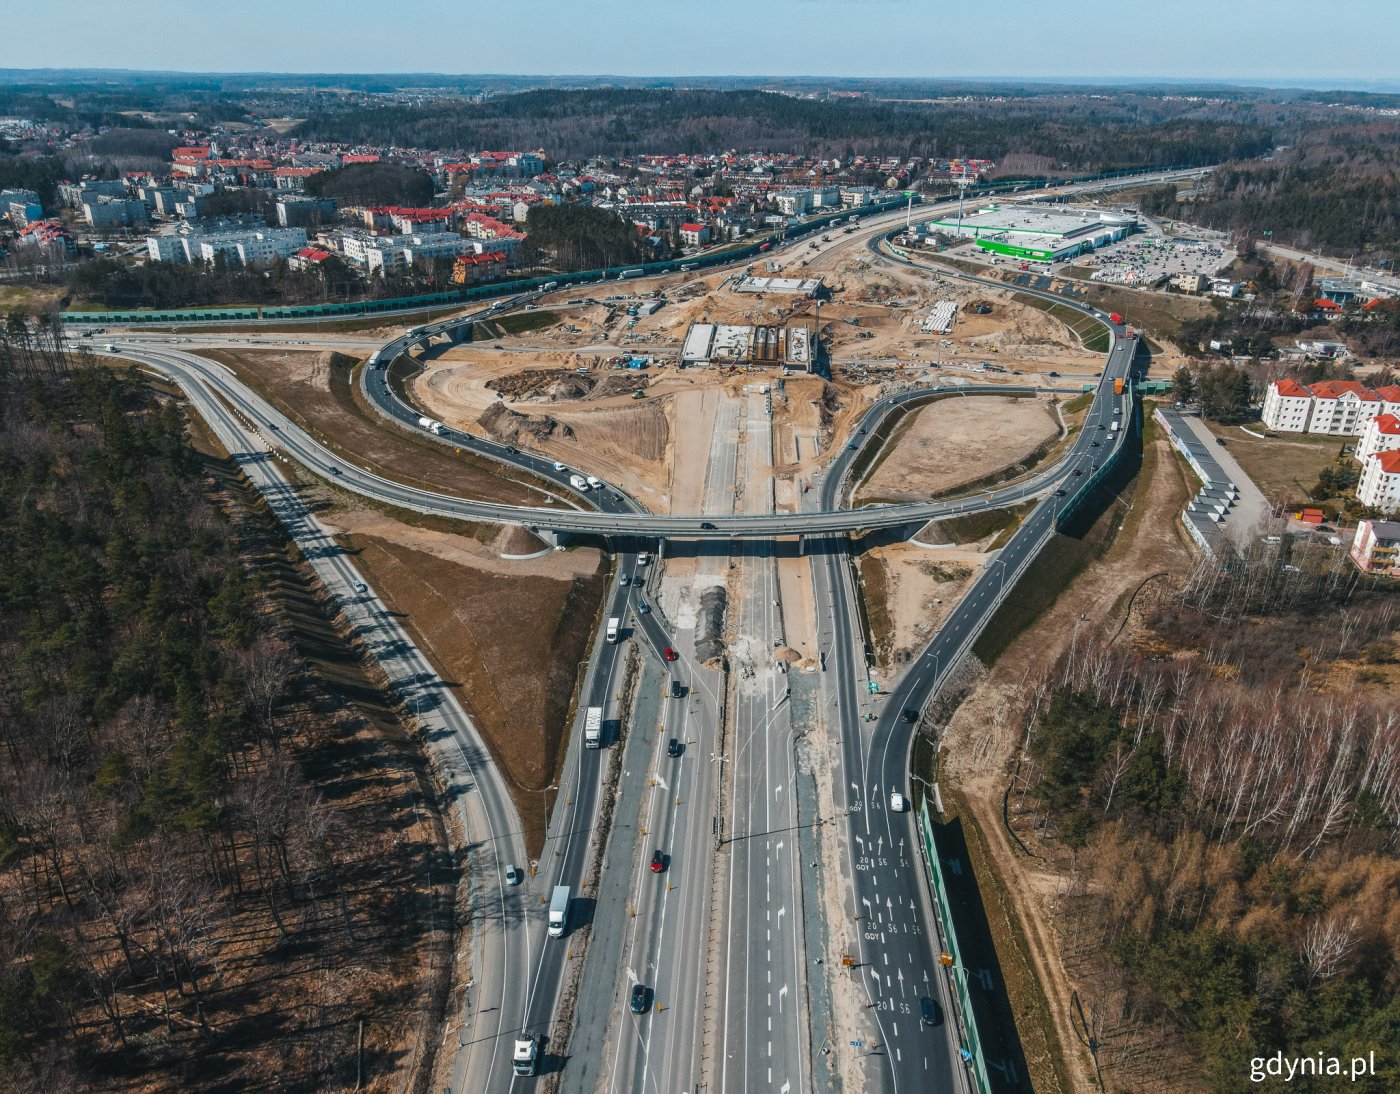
(594, 482)
(431, 425)
(578, 482)
(526, 1057)
(614, 628)
(559, 911)
(1114, 427)
(593, 728)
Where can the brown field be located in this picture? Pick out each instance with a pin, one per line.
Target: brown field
(317, 391)
(1284, 467)
(950, 442)
(507, 635)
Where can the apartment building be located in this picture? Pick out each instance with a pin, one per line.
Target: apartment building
(1379, 488)
(1379, 434)
(1336, 407)
(1376, 548)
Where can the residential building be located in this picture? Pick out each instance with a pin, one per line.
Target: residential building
(300, 211)
(247, 246)
(113, 212)
(73, 194)
(794, 203)
(1342, 407)
(469, 269)
(1287, 407)
(1379, 488)
(695, 235)
(51, 234)
(856, 196)
(1376, 548)
(1379, 434)
(21, 206)
(308, 258)
(1189, 282)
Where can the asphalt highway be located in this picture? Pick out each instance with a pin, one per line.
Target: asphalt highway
(889, 894)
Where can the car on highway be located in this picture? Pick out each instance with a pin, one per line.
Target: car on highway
(332, 469)
(670, 654)
(559, 466)
(1059, 493)
(1095, 444)
(677, 689)
(674, 748)
(1054, 374)
(513, 874)
(898, 802)
(1220, 441)
(638, 1001)
(909, 714)
(1077, 471)
(361, 587)
(707, 525)
(930, 1013)
(658, 862)
(851, 447)
(643, 607)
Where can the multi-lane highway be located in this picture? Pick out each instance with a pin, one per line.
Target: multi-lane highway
(518, 975)
(888, 892)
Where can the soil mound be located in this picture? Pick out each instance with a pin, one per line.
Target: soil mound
(510, 426)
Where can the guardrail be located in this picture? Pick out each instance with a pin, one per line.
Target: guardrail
(973, 1055)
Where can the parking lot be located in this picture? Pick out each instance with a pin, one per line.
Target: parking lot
(1142, 261)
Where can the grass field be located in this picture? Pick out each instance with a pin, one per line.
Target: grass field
(1284, 468)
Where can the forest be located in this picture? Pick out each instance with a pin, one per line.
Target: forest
(1337, 190)
(185, 902)
(1224, 794)
(373, 184)
(1083, 135)
(580, 237)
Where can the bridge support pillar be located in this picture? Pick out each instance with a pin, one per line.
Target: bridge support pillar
(550, 536)
(801, 546)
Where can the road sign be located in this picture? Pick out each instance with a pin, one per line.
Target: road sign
(945, 958)
(857, 1044)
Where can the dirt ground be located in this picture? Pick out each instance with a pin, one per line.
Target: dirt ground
(508, 634)
(954, 441)
(981, 739)
(315, 390)
(918, 588)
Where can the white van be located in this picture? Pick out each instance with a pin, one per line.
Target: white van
(898, 802)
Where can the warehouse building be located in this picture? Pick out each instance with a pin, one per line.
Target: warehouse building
(1036, 235)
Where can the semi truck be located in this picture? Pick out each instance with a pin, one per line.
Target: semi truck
(593, 727)
(526, 1057)
(614, 628)
(559, 911)
(631, 273)
(1118, 385)
(578, 482)
(431, 425)
(549, 285)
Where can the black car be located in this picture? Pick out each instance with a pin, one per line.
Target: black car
(1059, 493)
(707, 525)
(1220, 441)
(677, 690)
(638, 1003)
(909, 715)
(930, 1013)
(1077, 471)
(1095, 444)
(674, 748)
(658, 862)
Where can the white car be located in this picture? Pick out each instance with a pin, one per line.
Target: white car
(512, 874)
(559, 466)
(898, 802)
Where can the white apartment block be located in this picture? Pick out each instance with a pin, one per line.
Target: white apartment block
(1379, 434)
(251, 247)
(1337, 407)
(1287, 407)
(1379, 488)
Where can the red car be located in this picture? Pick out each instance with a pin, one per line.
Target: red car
(658, 862)
(670, 654)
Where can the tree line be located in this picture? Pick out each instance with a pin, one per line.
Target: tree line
(1230, 832)
(158, 837)
(1084, 135)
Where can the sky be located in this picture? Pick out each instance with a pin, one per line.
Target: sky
(1345, 43)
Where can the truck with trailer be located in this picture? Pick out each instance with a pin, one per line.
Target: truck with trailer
(593, 721)
(631, 273)
(526, 1056)
(559, 911)
(431, 425)
(549, 285)
(614, 628)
